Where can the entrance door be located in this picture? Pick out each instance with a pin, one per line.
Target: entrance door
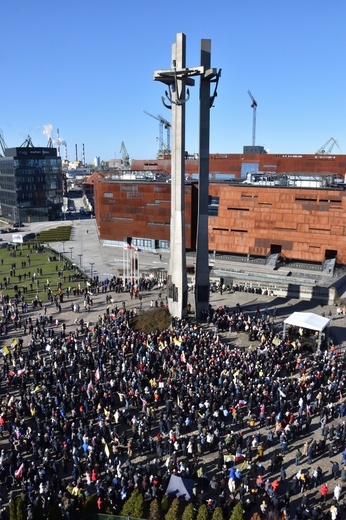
(275, 249)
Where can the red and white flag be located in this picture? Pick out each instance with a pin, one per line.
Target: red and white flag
(97, 374)
(144, 401)
(19, 471)
(20, 372)
(189, 367)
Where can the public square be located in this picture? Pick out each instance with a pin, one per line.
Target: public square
(64, 365)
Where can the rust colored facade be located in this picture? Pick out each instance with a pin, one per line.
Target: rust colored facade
(141, 210)
(238, 165)
(304, 224)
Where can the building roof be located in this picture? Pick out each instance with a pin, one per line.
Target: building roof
(93, 177)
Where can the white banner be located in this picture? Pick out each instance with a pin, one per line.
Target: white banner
(17, 239)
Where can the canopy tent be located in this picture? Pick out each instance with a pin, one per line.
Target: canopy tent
(180, 487)
(308, 320)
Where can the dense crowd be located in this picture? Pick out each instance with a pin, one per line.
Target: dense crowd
(99, 408)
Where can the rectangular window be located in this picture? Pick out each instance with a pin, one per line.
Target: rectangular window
(213, 206)
(220, 229)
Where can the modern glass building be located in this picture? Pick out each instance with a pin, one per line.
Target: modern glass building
(31, 184)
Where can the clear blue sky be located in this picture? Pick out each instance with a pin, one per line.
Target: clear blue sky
(86, 68)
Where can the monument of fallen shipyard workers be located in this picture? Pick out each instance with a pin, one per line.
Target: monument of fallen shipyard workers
(177, 79)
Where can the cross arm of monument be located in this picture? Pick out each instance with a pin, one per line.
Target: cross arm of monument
(169, 76)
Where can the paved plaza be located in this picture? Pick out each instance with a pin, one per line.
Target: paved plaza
(105, 263)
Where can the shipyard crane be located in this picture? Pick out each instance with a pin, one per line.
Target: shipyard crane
(163, 124)
(27, 143)
(125, 158)
(325, 150)
(254, 107)
(3, 145)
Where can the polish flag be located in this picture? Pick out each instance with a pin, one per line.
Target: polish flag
(19, 471)
(97, 374)
(189, 367)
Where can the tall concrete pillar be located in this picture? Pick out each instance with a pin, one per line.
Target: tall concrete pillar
(177, 275)
(202, 256)
(177, 79)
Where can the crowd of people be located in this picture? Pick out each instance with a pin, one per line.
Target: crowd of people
(101, 408)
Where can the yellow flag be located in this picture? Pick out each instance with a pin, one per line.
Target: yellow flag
(5, 350)
(107, 452)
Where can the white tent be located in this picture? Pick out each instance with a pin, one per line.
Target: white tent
(180, 487)
(308, 320)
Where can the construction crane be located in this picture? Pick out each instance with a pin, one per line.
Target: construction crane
(254, 107)
(125, 158)
(3, 145)
(325, 150)
(27, 143)
(163, 124)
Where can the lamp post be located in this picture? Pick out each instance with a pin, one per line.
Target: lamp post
(71, 249)
(63, 247)
(91, 268)
(80, 260)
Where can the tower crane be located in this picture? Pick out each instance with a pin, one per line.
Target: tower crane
(325, 150)
(125, 158)
(3, 145)
(163, 124)
(254, 107)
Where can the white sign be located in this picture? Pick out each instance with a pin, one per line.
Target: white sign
(17, 239)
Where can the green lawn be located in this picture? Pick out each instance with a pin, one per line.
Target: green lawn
(26, 268)
(58, 234)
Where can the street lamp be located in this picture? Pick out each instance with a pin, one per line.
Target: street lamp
(71, 249)
(91, 268)
(63, 247)
(80, 260)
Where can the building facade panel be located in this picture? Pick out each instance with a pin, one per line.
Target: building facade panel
(237, 165)
(305, 224)
(300, 215)
(140, 210)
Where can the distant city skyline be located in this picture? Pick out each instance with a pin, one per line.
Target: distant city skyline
(89, 73)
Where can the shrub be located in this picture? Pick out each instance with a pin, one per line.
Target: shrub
(189, 513)
(130, 504)
(218, 514)
(173, 511)
(155, 510)
(237, 513)
(202, 513)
